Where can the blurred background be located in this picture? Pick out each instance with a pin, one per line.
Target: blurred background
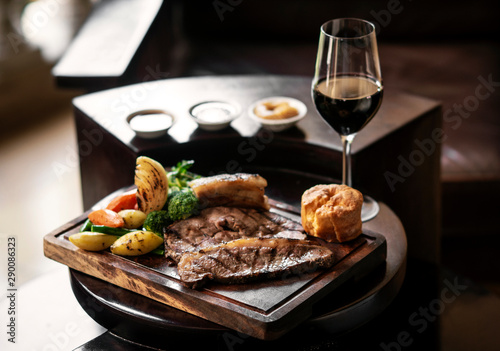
(441, 50)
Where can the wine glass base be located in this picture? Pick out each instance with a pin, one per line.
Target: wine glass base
(370, 208)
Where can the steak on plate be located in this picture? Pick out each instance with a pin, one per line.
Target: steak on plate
(249, 259)
(215, 225)
(234, 245)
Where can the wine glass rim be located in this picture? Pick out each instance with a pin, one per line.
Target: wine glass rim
(370, 24)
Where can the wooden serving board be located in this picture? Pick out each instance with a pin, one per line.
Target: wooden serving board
(265, 310)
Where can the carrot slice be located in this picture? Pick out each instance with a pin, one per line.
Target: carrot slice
(125, 201)
(106, 217)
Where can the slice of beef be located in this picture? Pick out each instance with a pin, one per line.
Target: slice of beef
(216, 225)
(249, 259)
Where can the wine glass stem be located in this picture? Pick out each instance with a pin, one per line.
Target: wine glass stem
(346, 159)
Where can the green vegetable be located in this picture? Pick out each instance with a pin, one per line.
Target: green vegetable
(86, 226)
(156, 221)
(171, 194)
(158, 251)
(110, 230)
(179, 176)
(181, 202)
(183, 205)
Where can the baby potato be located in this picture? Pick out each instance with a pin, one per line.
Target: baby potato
(91, 241)
(132, 218)
(136, 243)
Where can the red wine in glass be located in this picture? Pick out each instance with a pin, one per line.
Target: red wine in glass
(350, 104)
(347, 86)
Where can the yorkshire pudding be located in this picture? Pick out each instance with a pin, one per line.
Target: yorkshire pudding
(332, 212)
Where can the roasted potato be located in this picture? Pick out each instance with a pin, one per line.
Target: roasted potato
(132, 218)
(136, 243)
(92, 241)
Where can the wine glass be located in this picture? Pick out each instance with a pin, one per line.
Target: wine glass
(347, 86)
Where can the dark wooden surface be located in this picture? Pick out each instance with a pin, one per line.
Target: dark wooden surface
(108, 148)
(264, 310)
(114, 46)
(142, 320)
(50, 308)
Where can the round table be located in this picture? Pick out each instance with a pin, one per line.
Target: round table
(146, 322)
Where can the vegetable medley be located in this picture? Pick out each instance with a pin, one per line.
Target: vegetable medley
(133, 223)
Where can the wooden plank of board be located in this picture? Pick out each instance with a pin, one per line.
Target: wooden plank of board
(265, 310)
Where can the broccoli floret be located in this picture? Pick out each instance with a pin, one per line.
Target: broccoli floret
(156, 221)
(171, 194)
(182, 205)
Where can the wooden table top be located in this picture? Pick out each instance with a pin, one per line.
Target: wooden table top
(110, 108)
